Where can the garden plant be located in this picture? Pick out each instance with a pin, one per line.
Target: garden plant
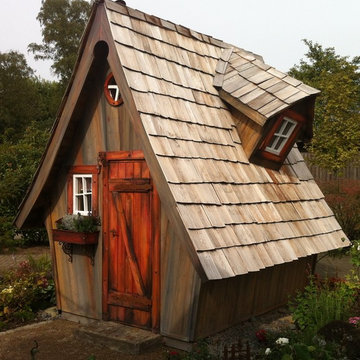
(24, 291)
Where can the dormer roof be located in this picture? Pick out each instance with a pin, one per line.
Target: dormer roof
(254, 88)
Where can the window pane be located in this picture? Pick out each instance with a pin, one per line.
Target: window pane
(288, 128)
(79, 203)
(280, 144)
(272, 141)
(79, 185)
(88, 185)
(88, 203)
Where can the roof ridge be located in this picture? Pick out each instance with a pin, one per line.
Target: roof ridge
(155, 20)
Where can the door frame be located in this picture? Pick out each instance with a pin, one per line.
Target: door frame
(104, 159)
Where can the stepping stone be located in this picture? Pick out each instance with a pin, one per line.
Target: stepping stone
(118, 337)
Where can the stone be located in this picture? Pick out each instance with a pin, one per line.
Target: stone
(119, 337)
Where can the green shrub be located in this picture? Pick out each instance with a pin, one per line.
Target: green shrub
(26, 290)
(200, 352)
(322, 302)
(294, 347)
(10, 237)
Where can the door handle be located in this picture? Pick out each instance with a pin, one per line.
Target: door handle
(114, 232)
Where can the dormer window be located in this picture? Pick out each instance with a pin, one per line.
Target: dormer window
(260, 98)
(281, 136)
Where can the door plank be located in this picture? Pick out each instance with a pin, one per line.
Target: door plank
(131, 301)
(127, 240)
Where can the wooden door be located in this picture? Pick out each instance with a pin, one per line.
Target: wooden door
(131, 241)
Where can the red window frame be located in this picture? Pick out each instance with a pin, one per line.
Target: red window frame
(299, 119)
(83, 169)
(107, 93)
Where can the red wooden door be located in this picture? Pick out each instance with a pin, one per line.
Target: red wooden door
(131, 250)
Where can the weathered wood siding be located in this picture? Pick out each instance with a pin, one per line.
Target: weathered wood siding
(101, 128)
(227, 302)
(180, 286)
(249, 132)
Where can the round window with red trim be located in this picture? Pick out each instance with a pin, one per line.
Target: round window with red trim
(112, 91)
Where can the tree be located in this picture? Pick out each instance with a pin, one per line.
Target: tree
(18, 163)
(28, 108)
(337, 112)
(62, 23)
(17, 94)
(24, 98)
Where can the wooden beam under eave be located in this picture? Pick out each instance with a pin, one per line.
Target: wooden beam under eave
(246, 110)
(167, 200)
(65, 114)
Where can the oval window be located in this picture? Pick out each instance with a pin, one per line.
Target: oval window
(112, 91)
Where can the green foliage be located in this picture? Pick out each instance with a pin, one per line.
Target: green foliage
(337, 111)
(62, 24)
(17, 95)
(18, 163)
(24, 99)
(27, 112)
(78, 223)
(294, 347)
(323, 302)
(26, 290)
(355, 252)
(200, 352)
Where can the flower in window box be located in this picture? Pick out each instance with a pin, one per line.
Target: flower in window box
(77, 229)
(78, 223)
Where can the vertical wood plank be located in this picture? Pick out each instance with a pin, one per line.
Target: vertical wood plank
(105, 228)
(155, 230)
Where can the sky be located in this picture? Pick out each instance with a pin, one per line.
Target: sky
(273, 29)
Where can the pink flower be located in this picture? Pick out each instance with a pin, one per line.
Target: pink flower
(354, 320)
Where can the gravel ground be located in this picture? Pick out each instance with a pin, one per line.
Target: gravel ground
(275, 321)
(56, 340)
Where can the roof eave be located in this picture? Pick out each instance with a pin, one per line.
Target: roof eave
(30, 198)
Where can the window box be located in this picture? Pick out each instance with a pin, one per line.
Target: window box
(73, 237)
(77, 229)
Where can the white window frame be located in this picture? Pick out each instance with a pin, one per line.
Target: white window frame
(280, 136)
(87, 207)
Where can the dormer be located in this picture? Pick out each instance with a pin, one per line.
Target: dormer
(273, 109)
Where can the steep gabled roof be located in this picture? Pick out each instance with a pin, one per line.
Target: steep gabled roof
(237, 217)
(240, 217)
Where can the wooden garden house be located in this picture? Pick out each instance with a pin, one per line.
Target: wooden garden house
(183, 145)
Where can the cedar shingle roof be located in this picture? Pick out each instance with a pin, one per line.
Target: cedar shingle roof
(240, 217)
